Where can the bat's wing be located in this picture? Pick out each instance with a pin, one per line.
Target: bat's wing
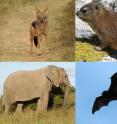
(100, 102)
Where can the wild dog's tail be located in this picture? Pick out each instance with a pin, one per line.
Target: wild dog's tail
(35, 41)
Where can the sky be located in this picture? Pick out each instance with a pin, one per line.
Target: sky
(91, 80)
(6, 68)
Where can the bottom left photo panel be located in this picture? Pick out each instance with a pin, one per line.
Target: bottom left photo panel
(37, 93)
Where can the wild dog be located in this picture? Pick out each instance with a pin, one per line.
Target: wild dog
(38, 31)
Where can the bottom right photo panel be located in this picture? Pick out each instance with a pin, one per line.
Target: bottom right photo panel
(96, 98)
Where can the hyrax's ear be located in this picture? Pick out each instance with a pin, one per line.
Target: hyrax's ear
(38, 11)
(45, 10)
(51, 77)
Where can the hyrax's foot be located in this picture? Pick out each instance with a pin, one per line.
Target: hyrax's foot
(98, 48)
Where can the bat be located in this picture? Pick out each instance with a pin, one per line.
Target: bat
(107, 96)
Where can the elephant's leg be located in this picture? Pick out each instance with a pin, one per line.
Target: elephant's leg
(6, 108)
(19, 107)
(43, 103)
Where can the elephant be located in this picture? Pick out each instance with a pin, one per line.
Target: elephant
(23, 86)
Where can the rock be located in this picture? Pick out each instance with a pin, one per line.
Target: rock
(82, 28)
(109, 58)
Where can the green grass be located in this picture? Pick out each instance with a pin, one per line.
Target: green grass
(16, 17)
(85, 51)
(56, 115)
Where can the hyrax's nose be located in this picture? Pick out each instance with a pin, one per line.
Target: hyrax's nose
(78, 13)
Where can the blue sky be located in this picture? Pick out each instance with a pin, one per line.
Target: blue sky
(7, 68)
(92, 80)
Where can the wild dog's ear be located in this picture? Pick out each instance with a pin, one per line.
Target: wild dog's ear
(45, 10)
(38, 11)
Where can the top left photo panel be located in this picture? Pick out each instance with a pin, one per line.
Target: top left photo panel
(37, 30)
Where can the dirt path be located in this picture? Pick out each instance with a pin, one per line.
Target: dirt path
(14, 36)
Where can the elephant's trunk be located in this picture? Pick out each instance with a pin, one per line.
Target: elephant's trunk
(67, 89)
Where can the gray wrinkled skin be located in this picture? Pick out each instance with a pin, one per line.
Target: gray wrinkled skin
(23, 86)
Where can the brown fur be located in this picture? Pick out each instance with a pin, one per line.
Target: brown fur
(102, 21)
(38, 31)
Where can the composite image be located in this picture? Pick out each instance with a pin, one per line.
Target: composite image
(58, 61)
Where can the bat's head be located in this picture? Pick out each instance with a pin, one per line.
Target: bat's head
(99, 102)
(114, 76)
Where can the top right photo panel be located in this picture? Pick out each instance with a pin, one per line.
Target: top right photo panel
(96, 30)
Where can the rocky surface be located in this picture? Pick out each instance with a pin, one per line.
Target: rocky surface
(109, 58)
(82, 28)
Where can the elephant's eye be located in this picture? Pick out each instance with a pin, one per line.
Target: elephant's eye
(65, 76)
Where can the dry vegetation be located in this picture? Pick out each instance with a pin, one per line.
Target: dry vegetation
(16, 17)
(85, 49)
(53, 116)
(86, 52)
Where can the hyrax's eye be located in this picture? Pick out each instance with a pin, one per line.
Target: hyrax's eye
(84, 10)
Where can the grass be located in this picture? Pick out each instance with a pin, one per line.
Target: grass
(84, 51)
(16, 17)
(53, 116)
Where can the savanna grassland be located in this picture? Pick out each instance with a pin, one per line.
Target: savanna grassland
(16, 17)
(56, 115)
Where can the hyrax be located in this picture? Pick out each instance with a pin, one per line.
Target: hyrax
(102, 21)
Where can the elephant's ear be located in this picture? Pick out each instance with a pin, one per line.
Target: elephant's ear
(51, 77)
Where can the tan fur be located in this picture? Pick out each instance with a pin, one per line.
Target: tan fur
(102, 21)
(40, 31)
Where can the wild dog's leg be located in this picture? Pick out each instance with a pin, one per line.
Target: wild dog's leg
(39, 52)
(46, 42)
(31, 40)
(44, 47)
